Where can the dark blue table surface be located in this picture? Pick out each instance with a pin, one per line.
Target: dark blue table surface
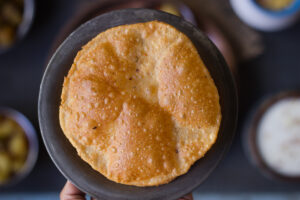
(21, 70)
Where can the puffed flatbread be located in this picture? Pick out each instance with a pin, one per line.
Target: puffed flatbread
(139, 105)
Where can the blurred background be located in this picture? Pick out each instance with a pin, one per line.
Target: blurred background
(260, 40)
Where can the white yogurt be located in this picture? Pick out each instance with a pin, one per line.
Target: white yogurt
(279, 137)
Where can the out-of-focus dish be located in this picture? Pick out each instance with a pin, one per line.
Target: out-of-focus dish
(267, 15)
(273, 136)
(13, 148)
(18, 146)
(15, 20)
(279, 136)
(275, 4)
(11, 14)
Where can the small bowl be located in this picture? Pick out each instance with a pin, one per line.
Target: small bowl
(33, 145)
(64, 154)
(291, 9)
(250, 136)
(261, 18)
(25, 25)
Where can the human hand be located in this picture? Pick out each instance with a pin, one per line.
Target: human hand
(70, 192)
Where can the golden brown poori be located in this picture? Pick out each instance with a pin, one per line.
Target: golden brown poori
(139, 105)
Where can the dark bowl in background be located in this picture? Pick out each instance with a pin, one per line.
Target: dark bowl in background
(250, 135)
(64, 154)
(24, 27)
(33, 144)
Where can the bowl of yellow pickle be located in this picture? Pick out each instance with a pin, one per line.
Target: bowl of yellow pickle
(267, 15)
(16, 17)
(18, 146)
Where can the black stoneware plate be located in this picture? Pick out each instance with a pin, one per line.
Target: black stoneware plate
(64, 155)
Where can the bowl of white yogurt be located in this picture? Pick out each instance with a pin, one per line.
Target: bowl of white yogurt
(272, 136)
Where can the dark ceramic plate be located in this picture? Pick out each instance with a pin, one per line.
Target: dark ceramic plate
(65, 156)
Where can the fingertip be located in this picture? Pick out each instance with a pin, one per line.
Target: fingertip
(70, 192)
(187, 197)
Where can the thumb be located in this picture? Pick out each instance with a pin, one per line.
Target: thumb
(70, 192)
(187, 197)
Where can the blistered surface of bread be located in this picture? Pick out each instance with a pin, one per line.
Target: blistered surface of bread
(139, 105)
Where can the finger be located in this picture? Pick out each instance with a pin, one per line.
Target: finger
(70, 192)
(187, 197)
